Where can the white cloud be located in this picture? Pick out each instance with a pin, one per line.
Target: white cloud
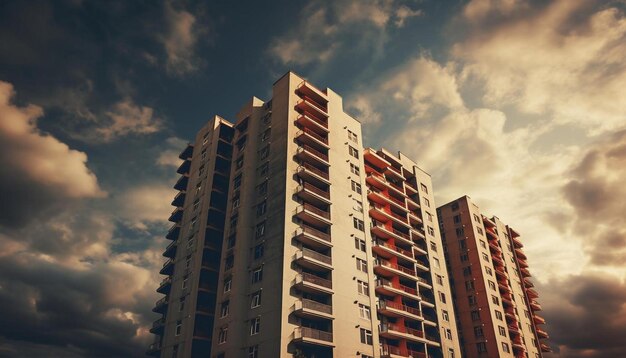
(39, 156)
(180, 40)
(127, 118)
(146, 204)
(169, 157)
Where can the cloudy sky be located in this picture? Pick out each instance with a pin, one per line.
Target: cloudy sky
(519, 104)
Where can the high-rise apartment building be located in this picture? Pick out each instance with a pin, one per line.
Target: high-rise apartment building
(305, 243)
(496, 305)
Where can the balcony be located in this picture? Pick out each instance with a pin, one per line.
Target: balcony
(381, 213)
(313, 194)
(386, 268)
(184, 167)
(307, 105)
(389, 351)
(374, 158)
(514, 329)
(495, 249)
(157, 326)
(311, 155)
(423, 282)
(395, 309)
(307, 120)
(412, 204)
(312, 309)
(522, 263)
(161, 305)
(532, 293)
(382, 198)
(504, 287)
(313, 237)
(313, 215)
(170, 251)
(535, 305)
(306, 89)
(394, 172)
(414, 219)
(545, 348)
(525, 272)
(187, 152)
(542, 334)
(179, 200)
(310, 283)
(386, 287)
(313, 260)
(422, 265)
(313, 174)
(515, 237)
(176, 215)
(528, 283)
(380, 230)
(165, 285)
(181, 184)
(313, 336)
(520, 254)
(538, 319)
(173, 232)
(379, 181)
(154, 349)
(387, 250)
(168, 267)
(310, 137)
(497, 260)
(397, 331)
(417, 232)
(491, 233)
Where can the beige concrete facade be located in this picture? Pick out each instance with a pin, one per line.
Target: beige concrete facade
(491, 284)
(329, 249)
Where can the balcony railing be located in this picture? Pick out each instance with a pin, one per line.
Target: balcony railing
(403, 269)
(315, 210)
(316, 306)
(312, 188)
(316, 280)
(314, 232)
(310, 117)
(397, 286)
(397, 249)
(385, 327)
(393, 231)
(314, 152)
(306, 332)
(314, 170)
(399, 306)
(312, 254)
(312, 133)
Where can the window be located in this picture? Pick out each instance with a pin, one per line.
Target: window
(450, 353)
(181, 304)
(427, 202)
(442, 297)
(363, 287)
(431, 231)
(433, 246)
(222, 335)
(253, 352)
(256, 299)
(492, 285)
(464, 257)
(498, 315)
(365, 312)
(455, 206)
(264, 153)
(483, 244)
(495, 300)
(261, 208)
(255, 326)
(475, 315)
(366, 336)
(358, 224)
(359, 244)
(481, 347)
(361, 265)
(233, 222)
(239, 163)
(469, 285)
(266, 135)
(225, 309)
(460, 232)
(353, 137)
(467, 271)
(463, 244)
(356, 187)
(353, 152)
(358, 206)
(257, 275)
(502, 331)
(429, 216)
(489, 271)
(175, 351)
(196, 204)
(448, 333)
(424, 188)
(354, 169)
(262, 188)
(188, 261)
(185, 281)
(476, 218)
(227, 284)
(478, 332)
(445, 315)
(260, 230)
(439, 279)
(236, 201)
(258, 251)
(505, 347)
(237, 182)
(526, 313)
(179, 327)
(436, 262)
(230, 262)
(471, 299)
(485, 257)
(480, 231)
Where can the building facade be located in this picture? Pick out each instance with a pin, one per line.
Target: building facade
(496, 305)
(311, 245)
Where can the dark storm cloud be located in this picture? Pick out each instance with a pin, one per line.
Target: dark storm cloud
(82, 310)
(598, 196)
(586, 316)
